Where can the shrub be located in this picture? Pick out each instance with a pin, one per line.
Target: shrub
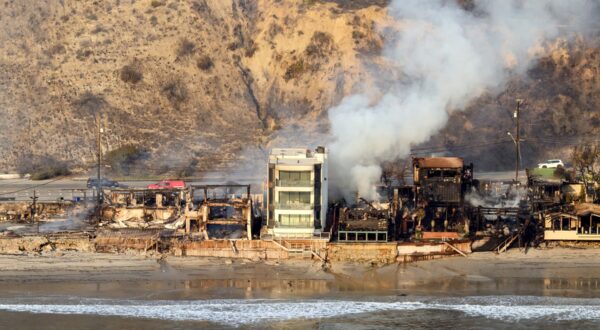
(321, 44)
(189, 170)
(92, 17)
(185, 48)
(274, 30)
(89, 103)
(57, 48)
(162, 169)
(82, 54)
(561, 172)
(50, 171)
(131, 74)
(41, 167)
(200, 6)
(295, 70)
(122, 159)
(357, 35)
(98, 29)
(175, 91)
(156, 3)
(250, 49)
(205, 63)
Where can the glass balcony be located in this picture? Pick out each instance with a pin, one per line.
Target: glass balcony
(309, 223)
(294, 206)
(294, 183)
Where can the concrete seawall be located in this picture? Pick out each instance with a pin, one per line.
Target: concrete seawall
(25, 244)
(382, 253)
(364, 252)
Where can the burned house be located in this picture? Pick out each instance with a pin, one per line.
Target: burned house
(223, 213)
(297, 193)
(440, 185)
(580, 223)
(544, 187)
(364, 222)
(144, 208)
(26, 211)
(441, 181)
(551, 187)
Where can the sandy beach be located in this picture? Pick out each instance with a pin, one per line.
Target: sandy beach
(559, 271)
(289, 293)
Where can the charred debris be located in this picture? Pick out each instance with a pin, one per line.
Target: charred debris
(202, 212)
(444, 203)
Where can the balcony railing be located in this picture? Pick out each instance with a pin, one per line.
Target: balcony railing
(294, 206)
(295, 224)
(294, 183)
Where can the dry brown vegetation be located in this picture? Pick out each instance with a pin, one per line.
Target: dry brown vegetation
(562, 100)
(200, 82)
(131, 73)
(175, 91)
(184, 78)
(205, 63)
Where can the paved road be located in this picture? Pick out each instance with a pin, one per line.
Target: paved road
(50, 190)
(501, 176)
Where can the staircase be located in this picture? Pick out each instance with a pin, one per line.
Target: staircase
(296, 249)
(510, 239)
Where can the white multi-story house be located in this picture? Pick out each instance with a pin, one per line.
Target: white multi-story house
(297, 192)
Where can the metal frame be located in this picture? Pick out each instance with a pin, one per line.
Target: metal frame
(369, 236)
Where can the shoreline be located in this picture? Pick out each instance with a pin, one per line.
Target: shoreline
(89, 290)
(544, 272)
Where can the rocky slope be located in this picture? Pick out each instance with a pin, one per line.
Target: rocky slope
(202, 83)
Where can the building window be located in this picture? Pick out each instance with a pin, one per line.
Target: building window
(295, 220)
(294, 179)
(294, 197)
(294, 175)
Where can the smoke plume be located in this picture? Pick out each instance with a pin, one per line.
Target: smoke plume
(448, 55)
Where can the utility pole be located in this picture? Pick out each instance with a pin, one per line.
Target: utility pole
(517, 116)
(33, 209)
(99, 154)
(517, 139)
(30, 138)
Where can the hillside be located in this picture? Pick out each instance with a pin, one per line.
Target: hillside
(561, 109)
(201, 84)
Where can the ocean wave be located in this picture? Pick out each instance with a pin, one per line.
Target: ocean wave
(240, 312)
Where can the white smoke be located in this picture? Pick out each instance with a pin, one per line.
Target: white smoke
(448, 56)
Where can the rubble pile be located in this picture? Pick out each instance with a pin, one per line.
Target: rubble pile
(365, 216)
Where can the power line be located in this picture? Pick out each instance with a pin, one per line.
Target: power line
(425, 150)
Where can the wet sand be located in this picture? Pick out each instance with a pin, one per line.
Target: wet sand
(558, 271)
(58, 278)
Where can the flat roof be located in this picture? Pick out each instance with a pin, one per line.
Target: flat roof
(125, 190)
(440, 162)
(289, 152)
(214, 186)
(296, 161)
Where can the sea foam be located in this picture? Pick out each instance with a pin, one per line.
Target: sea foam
(248, 311)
